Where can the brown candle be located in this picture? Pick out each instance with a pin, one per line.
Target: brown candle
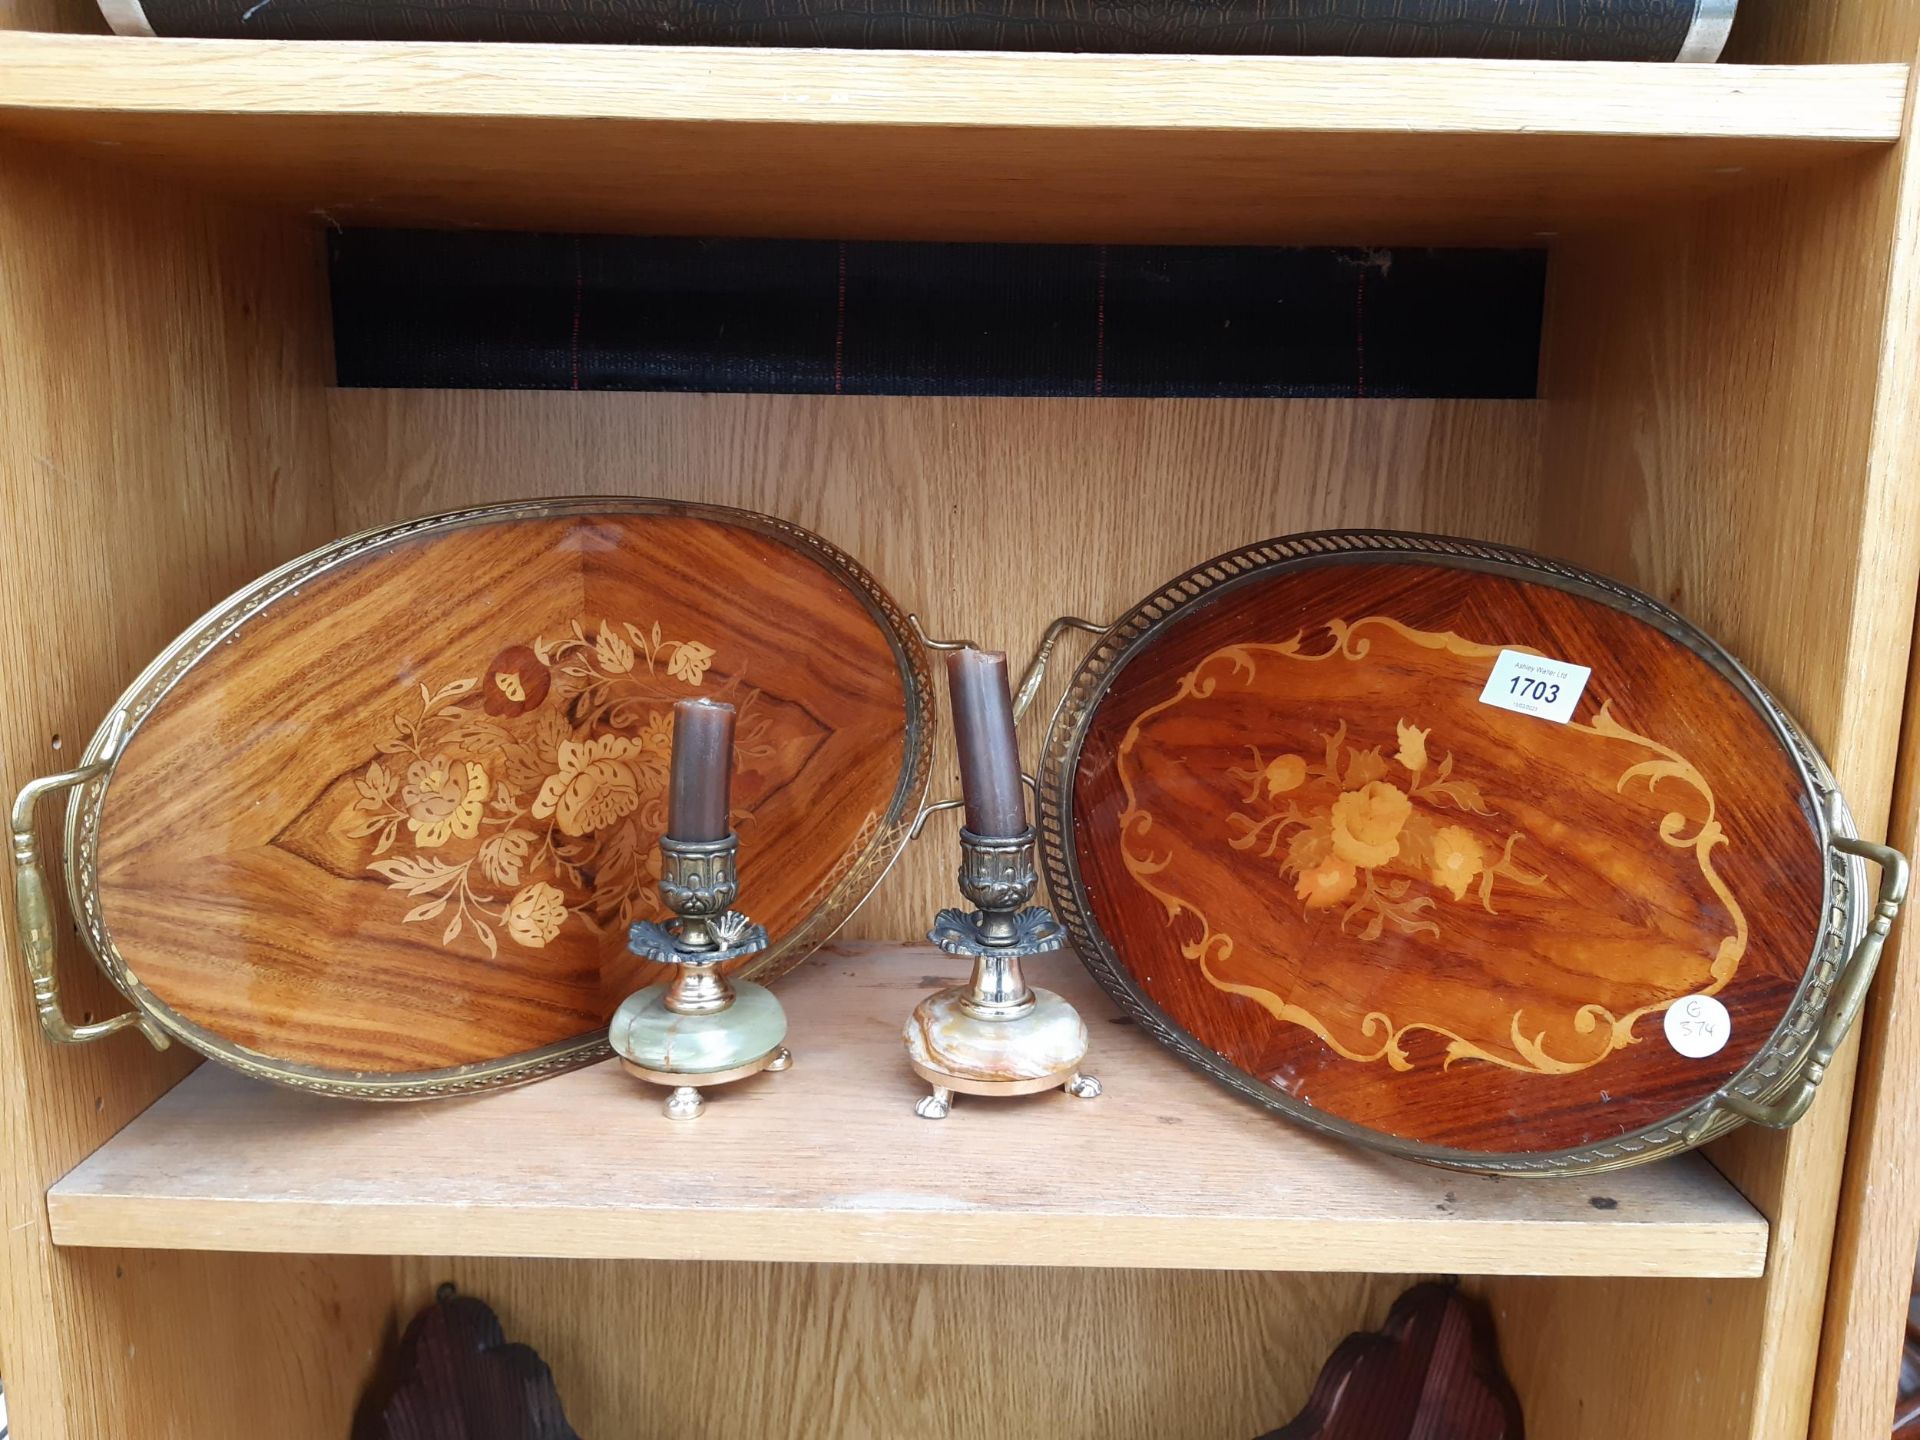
(989, 752)
(702, 775)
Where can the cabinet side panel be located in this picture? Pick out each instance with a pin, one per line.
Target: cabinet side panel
(1865, 1325)
(1709, 393)
(1879, 1220)
(161, 441)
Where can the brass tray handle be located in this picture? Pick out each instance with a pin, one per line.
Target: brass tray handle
(1036, 670)
(920, 633)
(34, 907)
(1037, 667)
(1849, 993)
(928, 811)
(934, 807)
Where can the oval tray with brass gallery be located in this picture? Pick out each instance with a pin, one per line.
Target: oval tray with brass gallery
(1443, 848)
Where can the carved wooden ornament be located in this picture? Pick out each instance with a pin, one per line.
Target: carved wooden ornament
(1430, 1373)
(456, 1377)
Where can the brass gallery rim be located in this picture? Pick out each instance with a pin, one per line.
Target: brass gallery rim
(853, 883)
(1772, 1087)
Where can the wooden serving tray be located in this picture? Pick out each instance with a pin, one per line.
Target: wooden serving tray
(379, 824)
(1293, 839)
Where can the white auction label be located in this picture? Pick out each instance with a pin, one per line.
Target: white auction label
(1698, 1026)
(1535, 685)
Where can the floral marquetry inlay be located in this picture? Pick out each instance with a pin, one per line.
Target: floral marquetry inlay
(532, 796)
(1387, 833)
(1295, 837)
(1377, 839)
(384, 819)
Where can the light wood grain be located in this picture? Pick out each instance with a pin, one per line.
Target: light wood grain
(161, 440)
(876, 1352)
(1166, 1170)
(1712, 376)
(1698, 444)
(1791, 32)
(892, 480)
(1879, 1217)
(990, 146)
(78, 17)
(924, 89)
(1879, 1212)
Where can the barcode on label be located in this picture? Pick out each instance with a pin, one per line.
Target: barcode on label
(1535, 685)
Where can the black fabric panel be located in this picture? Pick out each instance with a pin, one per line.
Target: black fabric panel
(453, 310)
(1485, 29)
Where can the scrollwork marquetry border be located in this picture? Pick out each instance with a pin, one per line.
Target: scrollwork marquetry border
(1773, 1070)
(836, 902)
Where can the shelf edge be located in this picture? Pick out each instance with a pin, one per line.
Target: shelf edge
(914, 1237)
(48, 76)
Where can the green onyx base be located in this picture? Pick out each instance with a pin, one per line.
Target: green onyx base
(688, 1052)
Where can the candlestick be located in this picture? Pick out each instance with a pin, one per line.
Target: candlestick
(989, 751)
(698, 791)
(700, 1029)
(996, 1035)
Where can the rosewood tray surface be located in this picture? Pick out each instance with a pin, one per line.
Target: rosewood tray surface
(1292, 838)
(382, 822)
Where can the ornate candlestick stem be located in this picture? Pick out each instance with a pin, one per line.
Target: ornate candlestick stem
(997, 875)
(999, 990)
(699, 1029)
(699, 881)
(997, 1035)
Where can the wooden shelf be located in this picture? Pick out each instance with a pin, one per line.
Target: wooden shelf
(1728, 381)
(989, 146)
(829, 1163)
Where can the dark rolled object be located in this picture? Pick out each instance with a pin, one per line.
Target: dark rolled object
(1692, 30)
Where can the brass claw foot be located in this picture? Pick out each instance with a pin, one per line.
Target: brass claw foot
(1083, 1087)
(936, 1105)
(684, 1103)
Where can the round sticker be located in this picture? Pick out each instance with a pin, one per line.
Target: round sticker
(1698, 1026)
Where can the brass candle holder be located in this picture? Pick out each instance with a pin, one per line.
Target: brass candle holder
(996, 1035)
(699, 1029)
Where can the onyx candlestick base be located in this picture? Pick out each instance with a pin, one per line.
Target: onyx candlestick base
(699, 1029)
(996, 1035)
